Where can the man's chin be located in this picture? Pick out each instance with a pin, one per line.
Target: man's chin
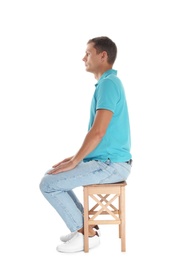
(87, 69)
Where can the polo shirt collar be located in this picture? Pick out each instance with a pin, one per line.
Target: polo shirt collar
(105, 74)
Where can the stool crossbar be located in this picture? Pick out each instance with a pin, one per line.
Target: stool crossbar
(106, 199)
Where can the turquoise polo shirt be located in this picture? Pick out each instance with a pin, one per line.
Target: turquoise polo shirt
(115, 145)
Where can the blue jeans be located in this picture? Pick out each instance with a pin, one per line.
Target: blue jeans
(58, 188)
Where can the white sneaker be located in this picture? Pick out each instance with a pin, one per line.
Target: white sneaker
(76, 243)
(67, 237)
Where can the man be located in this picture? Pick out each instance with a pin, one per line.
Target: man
(104, 156)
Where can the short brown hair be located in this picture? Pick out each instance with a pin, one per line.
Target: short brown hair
(104, 43)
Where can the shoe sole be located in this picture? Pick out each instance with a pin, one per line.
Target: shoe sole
(76, 250)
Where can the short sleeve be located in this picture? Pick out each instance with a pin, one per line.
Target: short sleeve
(107, 95)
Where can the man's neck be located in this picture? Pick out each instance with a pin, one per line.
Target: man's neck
(101, 72)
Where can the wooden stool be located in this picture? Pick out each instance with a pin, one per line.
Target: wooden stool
(103, 196)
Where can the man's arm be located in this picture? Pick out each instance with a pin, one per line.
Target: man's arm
(92, 139)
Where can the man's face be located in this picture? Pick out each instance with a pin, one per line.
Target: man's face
(92, 59)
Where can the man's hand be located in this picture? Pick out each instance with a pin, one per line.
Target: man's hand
(65, 165)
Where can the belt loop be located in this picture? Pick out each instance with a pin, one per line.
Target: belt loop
(108, 161)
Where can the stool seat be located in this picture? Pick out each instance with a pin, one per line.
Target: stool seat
(108, 207)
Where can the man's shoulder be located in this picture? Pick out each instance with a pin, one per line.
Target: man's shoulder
(111, 81)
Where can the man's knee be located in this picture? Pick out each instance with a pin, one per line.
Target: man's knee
(43, 185)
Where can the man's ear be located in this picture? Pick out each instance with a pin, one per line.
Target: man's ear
(104, 56)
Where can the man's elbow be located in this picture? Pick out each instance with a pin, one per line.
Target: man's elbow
(100, 134)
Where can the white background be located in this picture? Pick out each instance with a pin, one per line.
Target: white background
(45, 96)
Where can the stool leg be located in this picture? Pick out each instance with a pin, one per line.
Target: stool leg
(86, 217)
(122, 217)
(119, 203)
